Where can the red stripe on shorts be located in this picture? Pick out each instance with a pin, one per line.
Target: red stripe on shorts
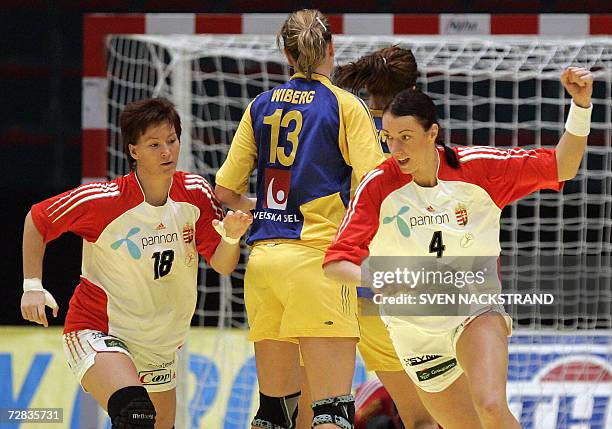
(79, 341)
(67, 341)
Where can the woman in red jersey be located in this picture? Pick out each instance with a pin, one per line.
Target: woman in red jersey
(436, 201)
(381, 74)
(142, 234)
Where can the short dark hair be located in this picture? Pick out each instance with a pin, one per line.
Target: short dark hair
(413, 102)
(139, 115)
(383, 73)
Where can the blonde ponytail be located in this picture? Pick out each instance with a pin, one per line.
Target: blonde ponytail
(305, 35)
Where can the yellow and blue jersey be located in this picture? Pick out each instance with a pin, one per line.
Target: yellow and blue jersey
(309, 141)
(377, 117)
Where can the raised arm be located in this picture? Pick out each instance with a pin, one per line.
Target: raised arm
(578, 82)
(35, 297)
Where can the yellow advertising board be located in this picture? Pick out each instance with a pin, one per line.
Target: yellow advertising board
(220, 383)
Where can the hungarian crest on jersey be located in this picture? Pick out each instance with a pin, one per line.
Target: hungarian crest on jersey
(461, 214)
(188, 233)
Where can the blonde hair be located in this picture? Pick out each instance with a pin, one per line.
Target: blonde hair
(305, 35)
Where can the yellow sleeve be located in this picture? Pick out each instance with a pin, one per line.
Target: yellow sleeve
(359, 144)
(240, 162)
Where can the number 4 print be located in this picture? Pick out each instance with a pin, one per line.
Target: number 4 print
(437, 245)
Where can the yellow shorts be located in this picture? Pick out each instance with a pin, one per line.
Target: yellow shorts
(375, 346)
(287, 296)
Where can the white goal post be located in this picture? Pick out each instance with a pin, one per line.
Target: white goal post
(496, 90)
(502, 92)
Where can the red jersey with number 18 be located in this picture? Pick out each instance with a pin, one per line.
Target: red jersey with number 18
(140, 262)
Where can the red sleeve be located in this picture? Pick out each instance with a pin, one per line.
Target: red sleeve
(514, 173)
(72, 211)
(360, 222)
(207, 239)
(372, 400)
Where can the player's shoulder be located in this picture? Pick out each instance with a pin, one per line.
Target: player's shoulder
(278, 94)
(195, 189)
(377, 114)
(192, 183)
(467, 154)
(262, 97)
(389, 170)
(348, 100)
(97, 191)
(260, 105)
(385, 178)
(93, 197)
(479, 155)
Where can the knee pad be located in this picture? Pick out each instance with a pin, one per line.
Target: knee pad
(131, 408)
(339, 410)
(277, 413)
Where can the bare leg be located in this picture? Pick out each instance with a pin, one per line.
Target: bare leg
(330, 364)
(304, 419)
(113, 371)
(165, 407)
(404, 393)
(278, 367)
(482, 351)
(452, 407)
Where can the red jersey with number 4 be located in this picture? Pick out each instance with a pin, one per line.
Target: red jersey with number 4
(390, 215)
(140, 262)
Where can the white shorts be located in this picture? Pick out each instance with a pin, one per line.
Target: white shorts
(157, 373)
(430, 358)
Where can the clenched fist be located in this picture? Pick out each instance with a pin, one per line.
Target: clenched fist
(578, 82)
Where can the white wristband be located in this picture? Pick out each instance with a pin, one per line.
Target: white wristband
(32, 284)
(579, 120)
(221, 231)
(35, 284)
